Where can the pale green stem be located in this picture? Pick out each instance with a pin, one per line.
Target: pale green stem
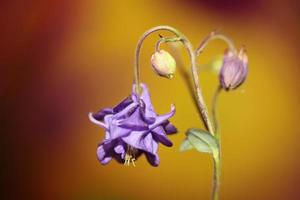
(165, 40)
(200, 100)
(217, 155)
(217, 175)
(213, 36)
(214, 111)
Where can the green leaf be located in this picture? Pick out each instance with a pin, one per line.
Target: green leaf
(202, 140)
(186, 145)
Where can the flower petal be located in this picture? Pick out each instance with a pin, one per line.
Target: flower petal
(134, 122)
(95, 121)
(153, 159)
(148, 116)
(126, 111)
(160, 135)
(150, 145)
(122, 105)
(240, 75)
(146, 96)
(120, 149)
(169, 128)
(103, 155)
(134, 139)
(163, 118)
(102, 113)
(106, 160)
(117, 131)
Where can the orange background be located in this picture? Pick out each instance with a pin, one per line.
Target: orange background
(61, 59)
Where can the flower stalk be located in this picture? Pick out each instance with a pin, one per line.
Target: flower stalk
(216, 156)
(216, 176)
(211, 127)
(192, 55)
(133, 128)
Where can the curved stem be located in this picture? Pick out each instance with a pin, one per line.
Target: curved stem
(212, 36)
(216, 155)
(165, 40)
(214, 110)
(138, 50)
(200, 100)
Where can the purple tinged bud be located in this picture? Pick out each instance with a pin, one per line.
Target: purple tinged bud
(234, 69)
(163, 64)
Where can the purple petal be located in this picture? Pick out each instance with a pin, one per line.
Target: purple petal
(101, 114)
(126, 111)
(146, 96)
(120, 149)
(134, 139)
(169, 128)
(160, 135)
(103, 156)
(229, 71)
(148, 116)
(150, 145)
(116, 131)
(95, 121)
(240, 75)
(142, 141)
(153, 159)
(122, 105)
(134, 122)
(163, 118)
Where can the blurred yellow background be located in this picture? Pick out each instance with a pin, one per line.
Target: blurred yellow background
(62, 59)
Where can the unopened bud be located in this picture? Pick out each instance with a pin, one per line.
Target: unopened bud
(234, 69)
(163, 64)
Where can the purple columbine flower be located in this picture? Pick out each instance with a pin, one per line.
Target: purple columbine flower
(234, 69)
(133, 128)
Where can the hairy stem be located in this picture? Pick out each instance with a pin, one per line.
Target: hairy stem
(192, 55)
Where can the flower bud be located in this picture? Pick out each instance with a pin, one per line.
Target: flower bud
(163, 64)
(234, 69)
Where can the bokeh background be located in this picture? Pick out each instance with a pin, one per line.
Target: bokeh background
(62, 59)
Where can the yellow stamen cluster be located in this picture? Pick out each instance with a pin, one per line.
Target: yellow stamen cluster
(130, 156)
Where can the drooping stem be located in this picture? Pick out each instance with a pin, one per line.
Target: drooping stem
(192, 55)
(216, 155)
(165, 40)
(213, 36)
(138, 51)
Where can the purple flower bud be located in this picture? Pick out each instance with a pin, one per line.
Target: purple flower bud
(163, 64)
(234, 69)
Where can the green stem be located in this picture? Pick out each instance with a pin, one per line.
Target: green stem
(217, 175)
(212, 36)
(216, 155)
(165, 40)
(214, 111)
